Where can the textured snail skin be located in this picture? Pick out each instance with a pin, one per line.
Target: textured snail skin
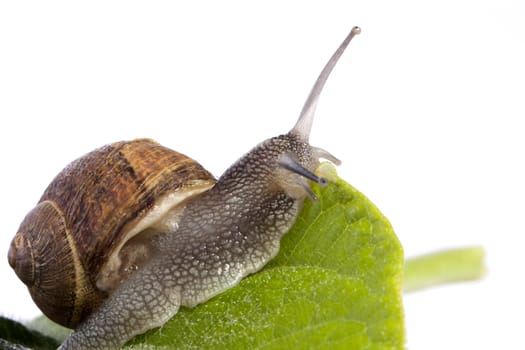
(225, 234)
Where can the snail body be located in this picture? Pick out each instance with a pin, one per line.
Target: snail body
(220, 234)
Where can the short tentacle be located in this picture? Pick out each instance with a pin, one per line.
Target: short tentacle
(324, 154)
(289, 163)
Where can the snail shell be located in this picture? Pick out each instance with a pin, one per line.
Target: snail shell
(94, 223)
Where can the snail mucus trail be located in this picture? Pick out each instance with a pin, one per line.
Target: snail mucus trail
(222, 235)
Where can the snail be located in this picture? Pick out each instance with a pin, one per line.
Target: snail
(130, 232)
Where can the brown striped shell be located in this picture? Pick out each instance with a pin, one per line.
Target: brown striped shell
(94, 223)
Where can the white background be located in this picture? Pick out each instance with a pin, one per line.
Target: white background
(425, 109)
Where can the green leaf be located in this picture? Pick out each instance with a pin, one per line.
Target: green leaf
(13, 333)
(454, 265)
(336, 284)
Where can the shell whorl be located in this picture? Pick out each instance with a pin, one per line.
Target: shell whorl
(86, 215)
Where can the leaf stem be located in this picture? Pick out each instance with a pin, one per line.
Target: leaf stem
(454, 265)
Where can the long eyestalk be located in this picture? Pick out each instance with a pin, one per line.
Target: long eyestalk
(304, 124)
